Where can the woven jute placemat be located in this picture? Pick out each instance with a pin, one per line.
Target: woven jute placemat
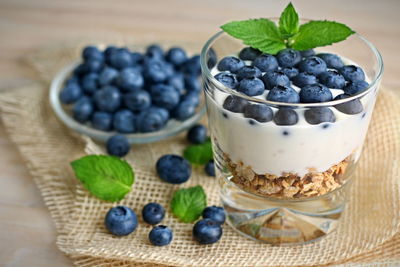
(368, 232)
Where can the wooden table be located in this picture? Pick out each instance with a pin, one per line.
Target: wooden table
(27, 234)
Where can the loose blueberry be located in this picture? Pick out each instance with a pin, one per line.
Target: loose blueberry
(160, 235)
(192, 65)
(318, 115)
(173, 169)
(227, 79)
(150, 120)
(164, 96)
(248, 72)
(92, 52)
(89, 83)
(155, 51)
(176, 56)
(137, 100)
(234, 104)
(251, 86)
(121, 58)
(286, 116)
(108, 98)
(121, 221)
(217, 214)
(350, 107)
(291, 72)
(313, 65)
(207, 231)
(304, 78)
(288, 57)
(307, 53)
(154, 71)
(210, 168)
(197, 134)
(102, 120)
(232, 64)
(332, 61)
(71, 93)
(118, 145)
(249, 53)
(353, 88)
(177, 82)
(258, 112)
(192, 83)
(129, 79)
(275, 78)
(107, 76)
(266, 62)
(153, 213)
(332, 79)
(352, 73)
(184, 110)
(124, 121)
(284, 94)
(315, 93)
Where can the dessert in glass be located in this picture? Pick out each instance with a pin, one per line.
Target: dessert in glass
(287, 132)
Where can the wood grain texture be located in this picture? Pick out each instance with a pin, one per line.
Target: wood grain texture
(27, 234)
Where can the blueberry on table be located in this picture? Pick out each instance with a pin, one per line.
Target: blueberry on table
(286, 116)
(121, 58)
(275, 78)
(332, 79)
(137, 100)
(353, 88)
(192, 83)
(288, 57)
(176, 56)
(314, 65)
(155, 51)
(258, 112)
(215, 213)
(207, 231)
(160, 235)
(249, 72)
(129, 79)
(291, 72)
(350, 107)
(153, 213)
(124, 121)
(318, 115)
(304, 78)
(234, 104)
(284, 94)
(266, 62)
(102, 120)
(251, 86)
(192, 65)
(184, 110)
(121, 221)
(108, 98)
(82, 109)
(92, 52)
(231, 64)
(227, 79)
(70, 93)
(307, 53)
(177, 81)
(332, 61)
(154, 71)
(89, 83)
(197, 134)
(352, 73)
(209, 168)
(173, 169)
(315, 93)
(118, 145)
(107, 76)
(249, 53)
(164, 96)
(150, 120)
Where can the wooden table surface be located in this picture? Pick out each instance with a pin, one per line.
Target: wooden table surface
(27, 234)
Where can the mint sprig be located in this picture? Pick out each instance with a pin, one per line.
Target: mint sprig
(188, 203)
(199, 154)
(107, 177)
(264, 35)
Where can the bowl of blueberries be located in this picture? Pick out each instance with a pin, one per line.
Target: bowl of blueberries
(144, 95)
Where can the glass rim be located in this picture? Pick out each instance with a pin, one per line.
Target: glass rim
(207, 72)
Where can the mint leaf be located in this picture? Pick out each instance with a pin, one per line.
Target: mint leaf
(107, 177)
(320, 33)
(199, 154)
(261, 34)
(289, 21)
(188, 203)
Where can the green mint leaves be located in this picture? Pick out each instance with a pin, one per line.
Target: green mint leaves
(264, 35)
(199, 154)
(107, 177)
(188, 203)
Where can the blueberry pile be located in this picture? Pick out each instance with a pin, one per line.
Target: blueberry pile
(130, 92)
(314, 76)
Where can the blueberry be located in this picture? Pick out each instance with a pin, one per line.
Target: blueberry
(137, 100)
(286, 116)
(164, 114)
(82, 109)
(153, 213)
(169, 69)
(251, 86)
(227, 79)
(352, 73)
(155, 51)
(192, 83)
(71, 93)
(154, 71)
(266, 62)
(89, 83)
(176, 56)
(173, 169)
(80, 70)
(217, 214)
(108, 98)
(164, 96)
(74, 79)
(177, 81)
(249, 53)
(197, 134)
(160, 235)
(315, 93)
(313, 65)
(291, 72)
(209, 168)
(350, 107)
(353, 88)
(284, 94)
(211, 58)
(118, 145)
(107, 53)
(192, 97)
(307, 53)
(288, 57)
(232, 64)
(234, 104)
(192, 65)
(137, 58)
(318, 115)
(258, 112)
(207, 231)
(102, 120)
(275, 78)
(92, 52)
(129, 79)
(124, 121)
(121, 58)
(248, 72)
(107, 76)
(91, 65)
(150, 120)
(121, 221)
(184, 110)
(304, 78)
(332, 61)
(332, 79)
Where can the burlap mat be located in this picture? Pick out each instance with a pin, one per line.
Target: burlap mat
(369, 231)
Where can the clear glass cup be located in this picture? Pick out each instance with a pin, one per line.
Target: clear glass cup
(287, 184)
